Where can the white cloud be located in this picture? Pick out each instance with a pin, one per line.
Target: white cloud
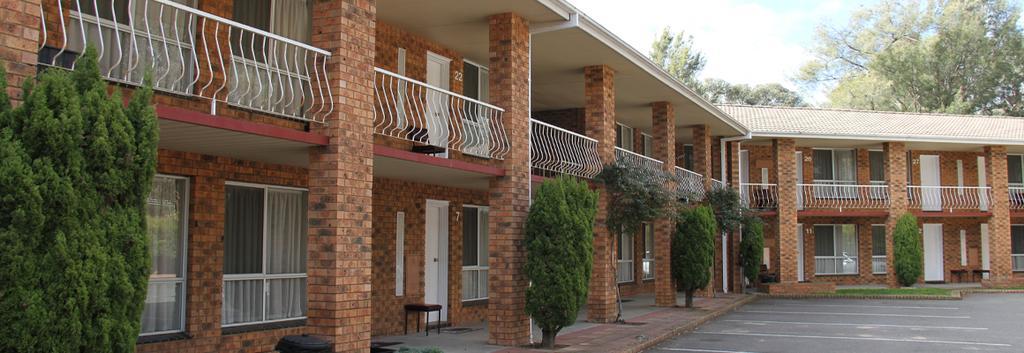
(744, 41)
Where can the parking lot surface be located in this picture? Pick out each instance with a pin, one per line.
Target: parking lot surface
(979, 323)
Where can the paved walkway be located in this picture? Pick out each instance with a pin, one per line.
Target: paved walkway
(645, 326)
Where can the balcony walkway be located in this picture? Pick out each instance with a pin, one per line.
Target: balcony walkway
(646, 325)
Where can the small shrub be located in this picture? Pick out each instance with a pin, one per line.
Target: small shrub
(907, 251)
(693, 250)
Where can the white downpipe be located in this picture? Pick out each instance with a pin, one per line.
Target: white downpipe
(721, 152)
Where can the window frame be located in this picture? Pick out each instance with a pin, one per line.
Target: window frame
(647, 142)
(621, 136)
(874, 247)
(1019, 157)
(620, 259)
(833, 164)
(871, 180)
(184, 258)
(263, 275)
(836, 230)
(648, 258)
(478, 267)
(1014, 255)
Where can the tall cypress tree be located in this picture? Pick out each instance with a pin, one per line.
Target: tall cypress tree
(75, 168)
(693, 250)
(560, 253)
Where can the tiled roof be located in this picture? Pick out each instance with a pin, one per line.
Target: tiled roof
(867, 124)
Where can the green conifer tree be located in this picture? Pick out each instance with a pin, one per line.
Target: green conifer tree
(693, 250)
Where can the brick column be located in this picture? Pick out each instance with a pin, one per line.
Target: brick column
(784, 156)
(664, 125)
(599, 89)
(702, 154)
(507, 321)
(19, 42)
(896, 178)
(999, 223)
(341, 178)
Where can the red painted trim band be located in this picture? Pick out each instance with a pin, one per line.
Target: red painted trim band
(395, 153)
(203, 119)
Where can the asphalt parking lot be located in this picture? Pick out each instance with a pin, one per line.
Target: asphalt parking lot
(979, 323)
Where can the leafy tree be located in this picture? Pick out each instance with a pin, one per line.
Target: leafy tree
(908, 261)
(751, 248)
(560, 250)
(693, 250)
(675, 53)
(769, 94)
(76, 167)
(730, 211)
(963, 56)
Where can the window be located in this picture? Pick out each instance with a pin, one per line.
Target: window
(1017, 246)
(648, 251)
(878, 262)
(1015, 164)
(264, 254)
(648, 145)
(399, 254)
(688, 157)
(623, 137)
(835, 249)
(157, 37)
(837, 170)
(876, 166)
(256, 66)
(167, 229)
(625, 255)
(475, 236)
(477, 123)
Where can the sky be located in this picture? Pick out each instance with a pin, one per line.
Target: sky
(744, 41)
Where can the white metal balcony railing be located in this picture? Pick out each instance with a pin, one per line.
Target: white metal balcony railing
(835, 265)
(690, 184)
(624, 271)
(938, 198)
(1017, 197)
(191, 53)
(1018, 262)
(878, 264)
(832, 195)
(759, 196)
(416, 111)
(559, 150)
(650, 167)
(717, 184)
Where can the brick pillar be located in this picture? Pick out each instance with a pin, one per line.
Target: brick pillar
(896, 178)
(341, 178)
(599, 89)
(507, 321)
(663, 114)
(702, 154)
(19, 42)
(999, 223)
(784, 156)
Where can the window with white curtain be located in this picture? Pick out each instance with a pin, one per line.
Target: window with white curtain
(1017, 246)
(259, 63)
(878, 261)
(876, 166)
(625, 257)
(167, 231)
(161, 45)
(836, 171)
(648, 144)
(1015, 166)
(475, 234)
(624, 137)
(264, 254)
(648, 251)
(835, 249)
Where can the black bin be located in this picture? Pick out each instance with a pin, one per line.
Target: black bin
(302, 344)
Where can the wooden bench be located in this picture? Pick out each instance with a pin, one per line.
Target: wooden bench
(422, 308)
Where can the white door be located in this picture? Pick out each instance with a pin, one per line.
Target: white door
(437, 103)
(800, 252)
(435, 279)
(933, 252)
(982, 182)
(985, 262)
(744, 176)
(799, 180)
(931, 195)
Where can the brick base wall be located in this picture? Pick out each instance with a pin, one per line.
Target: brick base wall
(800, 288)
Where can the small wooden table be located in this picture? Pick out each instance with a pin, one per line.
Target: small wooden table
(422, 308)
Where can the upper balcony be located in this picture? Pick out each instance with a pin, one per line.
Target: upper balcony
(948, 198)
(846, 196)
(192, 53)
(560, 151)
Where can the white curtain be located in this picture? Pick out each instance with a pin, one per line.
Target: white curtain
(243, 301)
(165, 210)
(163, 306)
(286, 232)
(845, 165)
(287, 298)
(848, 247)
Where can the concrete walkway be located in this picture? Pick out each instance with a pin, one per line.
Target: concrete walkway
(645, 326)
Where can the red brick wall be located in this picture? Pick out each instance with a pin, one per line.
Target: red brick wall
(207, 175)
(19, 38)
(572, 119)
(390, 197)
(599, 89)
(864, 246)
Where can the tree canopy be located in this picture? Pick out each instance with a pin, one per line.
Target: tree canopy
(675, 53)
(950, 56)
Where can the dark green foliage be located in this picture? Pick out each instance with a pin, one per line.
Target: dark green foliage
(908, 261)
(75, 167)
(693, 250)
(636, 196)
(560, 253)
(730, 212)
(751, 248)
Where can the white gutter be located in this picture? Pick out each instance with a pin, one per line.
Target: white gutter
(721, 150)
(573, 22)
(893, 138)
